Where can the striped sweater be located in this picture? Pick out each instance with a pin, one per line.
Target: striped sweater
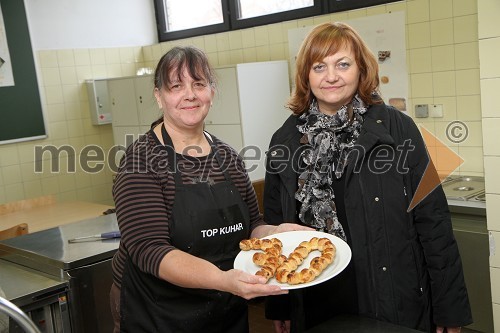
(144, 193)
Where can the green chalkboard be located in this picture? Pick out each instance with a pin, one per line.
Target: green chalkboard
(21, 115)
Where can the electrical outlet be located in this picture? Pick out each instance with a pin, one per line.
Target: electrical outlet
(421, 111)
(436, 111)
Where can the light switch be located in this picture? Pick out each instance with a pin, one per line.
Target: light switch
(421, 111)
(436, 111)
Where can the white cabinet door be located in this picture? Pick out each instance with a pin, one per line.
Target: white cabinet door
(147, 108)
(125, 135)
(225, 108)
(264, 91)
(230, 134)
(122, 100)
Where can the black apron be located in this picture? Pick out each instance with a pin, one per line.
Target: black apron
(208, 221)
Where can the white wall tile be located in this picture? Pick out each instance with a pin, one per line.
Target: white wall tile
(475, 134)
(14, 192)
(496, 316)
(465, 29)
(261, 36)
(488, 11)
(468, 82)
(236, 56)
(443, 83)
(473, 160)
(210, 43)
(11, 174)
(491, 126)
(65, 58)
(50, 185)
(419, 35)
(275, 32)
(495, 287)
(467, 55)
(492, 176)
(32, 189)
(469, 108)
(443, 58)
(287, 25)
(493, 219)
(422, 85)
(8, 155)
(417, 11)
(235, 40)
(464, 7)
(335, 17)
(127, 55)
(441, 9)
(442, 32)
(488, 56)
(489, 97)
(248, 38)
(56, 112)
(263, 53)
(97, 57)
(53, 94)
(277, 51)
(48, 58)
(112, 56)
(420, 60)
(51, 76)
(68, 75)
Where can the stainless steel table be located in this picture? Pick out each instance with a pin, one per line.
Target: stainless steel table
(42, 297)
(85, 266)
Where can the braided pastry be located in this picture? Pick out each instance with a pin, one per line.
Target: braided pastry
(270, 259)
(287, 273)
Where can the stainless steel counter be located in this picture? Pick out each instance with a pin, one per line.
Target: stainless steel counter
(22, 285)
(84, 266)
(42, 297)
(50, 252)
(467, 207)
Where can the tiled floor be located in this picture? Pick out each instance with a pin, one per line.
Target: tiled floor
(258, 323)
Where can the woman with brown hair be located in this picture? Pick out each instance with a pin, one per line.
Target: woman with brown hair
(184, 201)
(347, 164)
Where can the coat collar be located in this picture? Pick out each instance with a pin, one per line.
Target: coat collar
(375, 131)
(376, 127)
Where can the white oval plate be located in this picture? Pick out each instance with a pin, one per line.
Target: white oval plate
(290, 240)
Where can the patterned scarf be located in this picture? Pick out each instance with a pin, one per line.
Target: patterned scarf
(330, 139)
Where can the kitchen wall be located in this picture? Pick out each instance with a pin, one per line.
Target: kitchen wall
(489, 46)
(443, 63)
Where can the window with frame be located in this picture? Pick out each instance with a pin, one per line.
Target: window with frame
(188, 18)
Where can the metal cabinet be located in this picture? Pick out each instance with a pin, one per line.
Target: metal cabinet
(83, 269)
(133, 107)
(100, 112)
(471, 233)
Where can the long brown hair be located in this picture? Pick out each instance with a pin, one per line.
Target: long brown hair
(327, 39)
